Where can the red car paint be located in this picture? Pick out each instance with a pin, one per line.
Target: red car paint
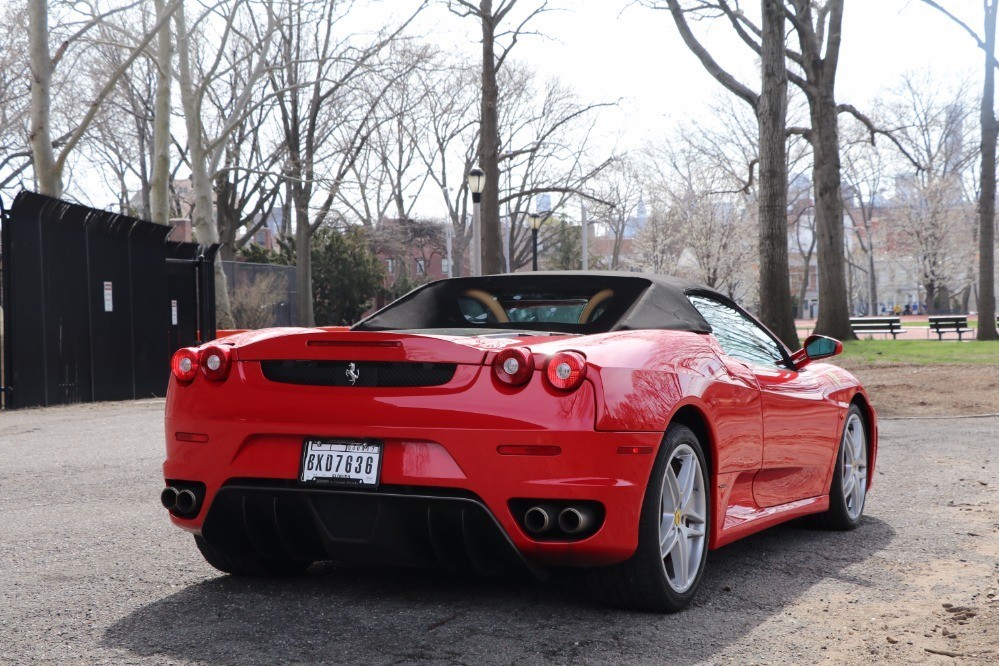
(772, 435)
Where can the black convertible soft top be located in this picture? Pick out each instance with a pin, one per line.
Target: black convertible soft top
(641, 301)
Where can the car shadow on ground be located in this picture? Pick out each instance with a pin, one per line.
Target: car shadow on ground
(352, 613)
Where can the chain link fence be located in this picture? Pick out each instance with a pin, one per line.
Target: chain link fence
(261, 295)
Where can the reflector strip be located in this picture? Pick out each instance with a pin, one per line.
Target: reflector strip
(191, 436)
(527, 450)
(634, 450)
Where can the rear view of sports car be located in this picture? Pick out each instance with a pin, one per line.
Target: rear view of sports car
(621, 422)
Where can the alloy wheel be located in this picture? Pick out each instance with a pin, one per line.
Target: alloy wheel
(854, 472)
(683, 510)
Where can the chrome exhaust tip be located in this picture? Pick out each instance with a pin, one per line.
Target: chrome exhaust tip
(573, 520)
(187, 502)
(168, 498)
(538, 519)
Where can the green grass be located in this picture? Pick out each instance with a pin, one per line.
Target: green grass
(922, 352)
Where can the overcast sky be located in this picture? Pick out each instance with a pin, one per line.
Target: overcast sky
(616, 49)
(610, 49)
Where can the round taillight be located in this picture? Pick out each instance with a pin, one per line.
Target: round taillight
(566, 370)
(215, 362)
(514, 366)
(184, 364)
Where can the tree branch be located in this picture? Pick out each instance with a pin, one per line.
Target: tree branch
(111, 83)
(874, 130)
(709, 63)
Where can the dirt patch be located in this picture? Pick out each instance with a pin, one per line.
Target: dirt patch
(899, 389)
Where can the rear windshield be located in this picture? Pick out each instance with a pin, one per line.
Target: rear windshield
(519, 302)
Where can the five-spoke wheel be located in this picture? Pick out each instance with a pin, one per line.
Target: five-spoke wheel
(673, 530)
(849, 484)
(684, 514)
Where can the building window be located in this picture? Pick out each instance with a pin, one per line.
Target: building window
(445, 266)
(421, 267)
(390, 266)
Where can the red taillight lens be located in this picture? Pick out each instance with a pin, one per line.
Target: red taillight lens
(566, 370)
(514, 366)
(184, 364)
(215, 362)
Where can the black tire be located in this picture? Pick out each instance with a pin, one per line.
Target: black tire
(248, 565)
(641, 582)
(838, 516)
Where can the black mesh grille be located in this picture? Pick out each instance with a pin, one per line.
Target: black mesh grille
(358, 374)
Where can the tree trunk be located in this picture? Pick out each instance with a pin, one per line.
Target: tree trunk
(227, 217)
(872, 280)
(43, 158)
(159, 184)
(492, 245)
(776, 310)
(202, 219)
(931, 297)
(805, 279)
(303, 265)
(987, 198)
(834, 308)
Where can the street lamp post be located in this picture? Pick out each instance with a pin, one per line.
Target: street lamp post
(476, 183)
(536, 221)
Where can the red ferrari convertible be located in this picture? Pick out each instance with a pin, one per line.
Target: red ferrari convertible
(621, 422)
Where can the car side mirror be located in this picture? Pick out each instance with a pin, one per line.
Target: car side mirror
(816, 347)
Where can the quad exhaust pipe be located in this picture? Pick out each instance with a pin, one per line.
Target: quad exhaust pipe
(187, 502)
(181, 501)
(169, 498)
(573, 520)
(539, 519)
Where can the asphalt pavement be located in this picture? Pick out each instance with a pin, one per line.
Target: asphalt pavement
(91, 572)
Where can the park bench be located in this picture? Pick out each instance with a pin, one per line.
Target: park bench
(880, 325)
(941, 324)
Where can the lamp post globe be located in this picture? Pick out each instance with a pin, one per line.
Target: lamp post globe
(536, 220)
(476, 183)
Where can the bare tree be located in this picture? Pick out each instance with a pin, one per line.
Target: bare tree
(388, 174)
(933, 211)
(775, 287)
(545, 132)
(48, 165)
(15, 154)
(987, 196)
(864, 169)
(492, 19)
(197, 72)
(159, 188)
(621, 186)
(447, 151)
(323, 89)
(707, 220)
(770, 109)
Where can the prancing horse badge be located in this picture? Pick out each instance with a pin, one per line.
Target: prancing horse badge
(353, 374)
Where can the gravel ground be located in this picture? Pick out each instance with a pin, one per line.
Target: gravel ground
(901, 389)
(92, 572)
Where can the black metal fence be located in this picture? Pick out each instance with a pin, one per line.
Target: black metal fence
(94, 303)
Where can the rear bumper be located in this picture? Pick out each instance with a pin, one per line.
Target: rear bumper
(281, 521)
(437, 445)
